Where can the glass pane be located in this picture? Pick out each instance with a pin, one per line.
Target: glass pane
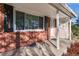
(26, 22)
(46, 23)
(29, 21)
(19, 20)
(33, 22)
(5, 23)
(41, 22)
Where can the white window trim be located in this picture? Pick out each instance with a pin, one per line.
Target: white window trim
(25, 30)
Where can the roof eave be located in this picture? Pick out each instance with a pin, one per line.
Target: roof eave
(67, 11)
(70, 10)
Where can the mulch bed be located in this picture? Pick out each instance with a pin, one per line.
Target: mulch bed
(73, 50)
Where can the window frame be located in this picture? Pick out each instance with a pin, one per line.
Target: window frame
(26, 30)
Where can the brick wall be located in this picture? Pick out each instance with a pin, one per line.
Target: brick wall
(9, 41)
(1, 18)
(13, 40)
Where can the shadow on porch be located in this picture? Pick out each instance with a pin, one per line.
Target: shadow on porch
(46, 48)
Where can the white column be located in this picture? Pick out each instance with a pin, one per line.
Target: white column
(70, 30)
(57, 34)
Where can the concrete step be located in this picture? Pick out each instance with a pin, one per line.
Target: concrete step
(28, 51)
(43, 49)
(53, 42)
(8, 53)
(47, 48)
(35, 51)
(63, 46)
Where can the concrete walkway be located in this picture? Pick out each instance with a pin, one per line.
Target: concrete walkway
(47, 48)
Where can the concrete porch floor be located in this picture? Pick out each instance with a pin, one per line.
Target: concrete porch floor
(64, 43)
(47, 48)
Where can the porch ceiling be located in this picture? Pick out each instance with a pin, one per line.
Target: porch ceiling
(41, 9)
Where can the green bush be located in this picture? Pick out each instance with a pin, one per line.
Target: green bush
(75, 30)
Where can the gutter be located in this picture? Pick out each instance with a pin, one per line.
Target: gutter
(75, 15)
(63, 8)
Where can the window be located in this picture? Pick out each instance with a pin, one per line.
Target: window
(28, 22)
(33, 21)
(19, 20)
(26, 26)
(41, 22)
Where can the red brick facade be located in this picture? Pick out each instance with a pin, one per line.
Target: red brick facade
(10, 40)
(1, 18)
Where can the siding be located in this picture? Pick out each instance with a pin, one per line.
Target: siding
(64, 31)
